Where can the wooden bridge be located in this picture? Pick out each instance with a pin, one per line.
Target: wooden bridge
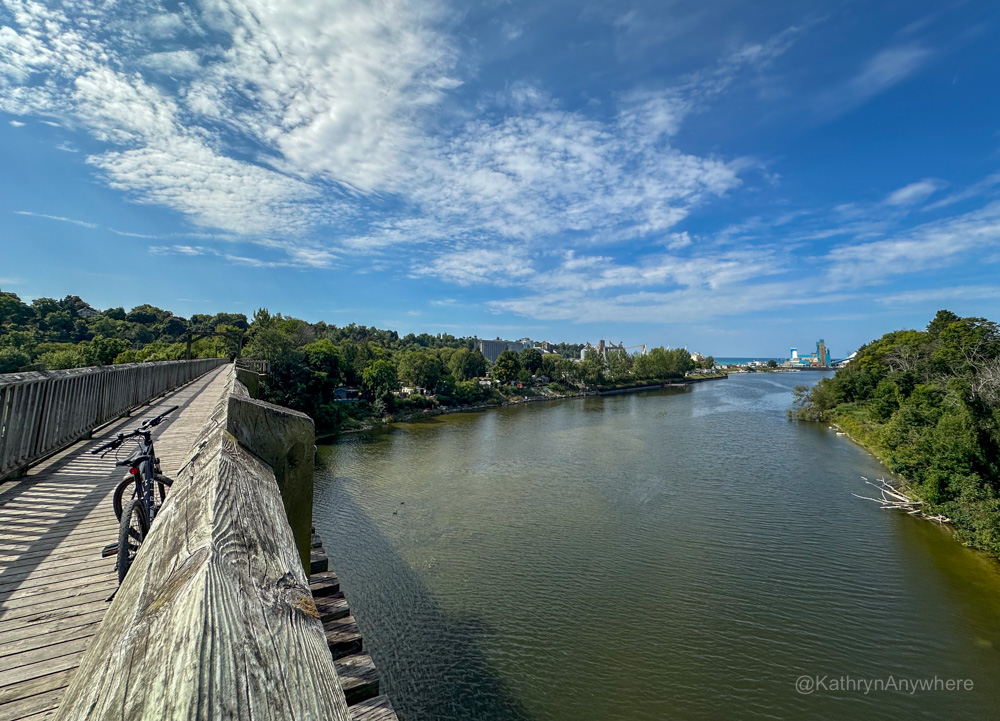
(229, 610)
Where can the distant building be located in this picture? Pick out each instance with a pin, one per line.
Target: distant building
(491, 349)
(819, 359)
(602, 349)
(346, 393)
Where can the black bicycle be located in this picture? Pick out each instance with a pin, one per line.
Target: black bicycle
(134, 501)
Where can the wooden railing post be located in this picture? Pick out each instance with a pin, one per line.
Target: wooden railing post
(215, 619)
(284, 439)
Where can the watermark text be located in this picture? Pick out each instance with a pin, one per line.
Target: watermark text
(826, 683)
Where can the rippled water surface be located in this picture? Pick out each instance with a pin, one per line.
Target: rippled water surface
(679, 554)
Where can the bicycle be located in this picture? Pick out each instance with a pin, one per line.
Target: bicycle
(136, 515)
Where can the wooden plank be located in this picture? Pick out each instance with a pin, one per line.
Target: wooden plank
(35, 706)
(332, 606)
(54, 612)
(41, 628)
(37, 660)
(45, 583)
(42, 639)
(318, 561)
(376, 709)
(343, 637)
(26, 605)
(324, 584)
(42, 684)
(358, 677)
(32, 671)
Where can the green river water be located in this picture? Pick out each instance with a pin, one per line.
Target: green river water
(680, 554)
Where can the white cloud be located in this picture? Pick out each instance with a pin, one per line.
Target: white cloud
(975, 190)
(493, 267)
(178, 62)
(17, 124)
(926, 247)
(82, 223)
(914, 192)
(963, 293)
(676, 306)
(280, 118)
(888, 68)
(331, 90)
(884, 70)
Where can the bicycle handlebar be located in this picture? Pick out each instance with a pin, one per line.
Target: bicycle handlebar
(158, 419)
(141, 430)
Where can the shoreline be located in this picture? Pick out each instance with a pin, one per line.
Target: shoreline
(328, 438)
(903, 486)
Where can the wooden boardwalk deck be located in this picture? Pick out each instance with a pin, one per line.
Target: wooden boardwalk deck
(54, 585)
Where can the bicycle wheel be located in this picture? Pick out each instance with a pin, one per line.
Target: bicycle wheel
(127, 486)
(132, 531)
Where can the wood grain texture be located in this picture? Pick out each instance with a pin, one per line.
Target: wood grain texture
(358, 677)
(215, 619)
(376, 709)
(285, 440)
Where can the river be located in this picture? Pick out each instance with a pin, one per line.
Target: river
(680, 554)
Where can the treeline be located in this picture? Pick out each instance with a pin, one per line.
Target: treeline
(309, 362)
(927, 403)
(51, 334)
(338, 375)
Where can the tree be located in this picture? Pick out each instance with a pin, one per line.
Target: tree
(420, 369)
(147, 314)
(14, 313)
(103, 351)
(467, 364)
(591, 369)
(772, 363)
(380, 380)
(507, 367)
(531, 360)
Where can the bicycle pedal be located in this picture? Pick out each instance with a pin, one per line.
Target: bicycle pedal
(109, 550)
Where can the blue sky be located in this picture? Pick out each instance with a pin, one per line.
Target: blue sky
(737, 177)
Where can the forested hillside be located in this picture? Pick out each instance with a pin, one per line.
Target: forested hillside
(927, 403)
(310, 361)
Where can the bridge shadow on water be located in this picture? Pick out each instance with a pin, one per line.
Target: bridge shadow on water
(428, 659)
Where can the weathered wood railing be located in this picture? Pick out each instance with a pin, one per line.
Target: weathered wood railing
(41, 412)
(215, 619)
(260, 366)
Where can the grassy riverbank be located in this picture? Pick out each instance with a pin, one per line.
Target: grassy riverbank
(534, 395)
(927, 404)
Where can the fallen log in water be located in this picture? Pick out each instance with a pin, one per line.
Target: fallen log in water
(894, 499)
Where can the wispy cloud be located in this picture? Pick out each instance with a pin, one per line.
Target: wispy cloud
(963, 293)
(928, 246)
(17, 123)
(976, 190)
(914, 192)
(879, 73)
(74, 221)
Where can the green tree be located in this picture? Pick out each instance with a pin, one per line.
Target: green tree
(420, 369)
(507, 367)
(531, 360)
(14, 313)
(381, 380)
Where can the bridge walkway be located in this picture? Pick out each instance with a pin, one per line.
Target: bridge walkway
(54, 585)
